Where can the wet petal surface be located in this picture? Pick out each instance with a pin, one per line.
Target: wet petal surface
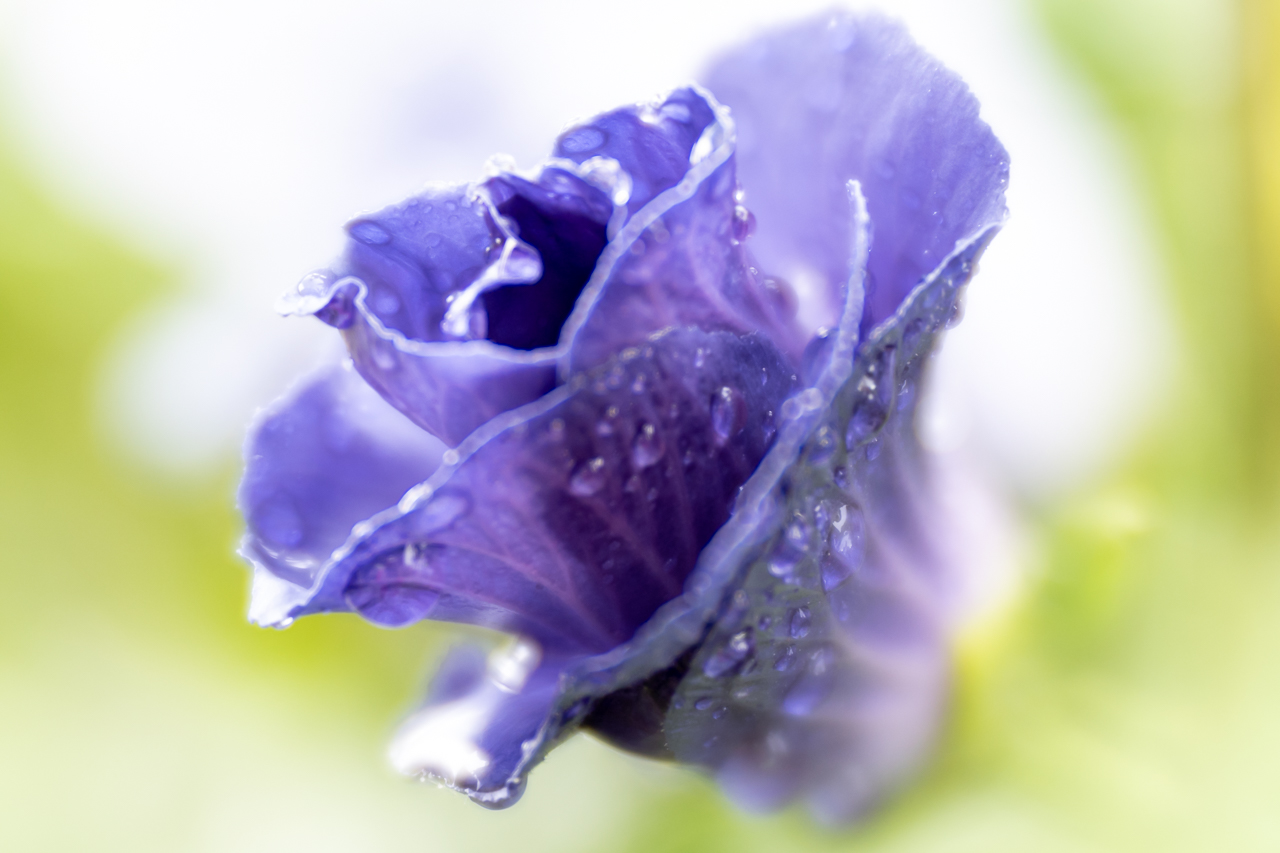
(653, 143)
(681, 260)
(572, 521)
(329, 455)
(852, 97)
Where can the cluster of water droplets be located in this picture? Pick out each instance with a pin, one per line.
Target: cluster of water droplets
(788, 654)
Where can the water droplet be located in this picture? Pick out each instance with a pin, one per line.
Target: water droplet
(369, 233)
(387, 592)
(797, 534)
(384, 355)
(834, 573)
(728, 414)
(441, 511)
(699, 357)
(822, 446)
(385, 302)
(904, 398)
(731, 655)
(800, 619)
(718, 713)
(393, 605)
(873, 450)
(805, 697)
(744, 223)
(581, 140)
(449, 457)
(785, 659)
(868, 417)
(278, 521)
(783, 561)
(648, 446)
(765, 622)
(604, 426)
(847, 544)
(911, 336)
(702, 704)
(588, 477)
(639, 383)
(675, 111)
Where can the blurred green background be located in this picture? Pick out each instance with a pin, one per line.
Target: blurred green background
(1130, 701)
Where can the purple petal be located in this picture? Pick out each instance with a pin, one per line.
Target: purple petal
(439, 298)
(328, 455)
(680, 261)
(481, 711)
(842, 685)
(652, 143)
(846, 97)
(572, 520)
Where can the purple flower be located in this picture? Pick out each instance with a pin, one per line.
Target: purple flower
(682, 471)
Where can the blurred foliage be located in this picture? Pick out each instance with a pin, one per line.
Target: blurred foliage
(1131, 702)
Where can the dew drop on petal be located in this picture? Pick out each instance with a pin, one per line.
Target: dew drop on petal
(805, 697)
(800, 618)
(702, 704)
(744, 222)
(588, 477)
(392, 606)
(442, 511)
(582, 140)
(822, 446)
(384, 356)
(278, 522)
(868, 416)
(647, 447)
(785, 659)
(370, 233)
(797, 534)
(732, 654)
(728, 413)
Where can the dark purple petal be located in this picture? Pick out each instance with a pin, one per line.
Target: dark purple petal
(652, 143)
(680, 261)
(844, 682)
(565, 220)
(846, 97)
(806, 658)
(328, 455)
(572, 520)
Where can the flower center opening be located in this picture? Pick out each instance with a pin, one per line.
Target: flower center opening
(529, 316)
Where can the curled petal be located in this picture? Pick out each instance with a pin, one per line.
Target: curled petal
(445, 308)
(481, 710)
(571, 520)
(678, 261)
(327, 456)
(653, 144)
(849, 96)
(824, 676)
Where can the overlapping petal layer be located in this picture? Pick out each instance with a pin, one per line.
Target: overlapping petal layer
(680, 260)
(326, 457)
(571, 520)
(852, 97)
